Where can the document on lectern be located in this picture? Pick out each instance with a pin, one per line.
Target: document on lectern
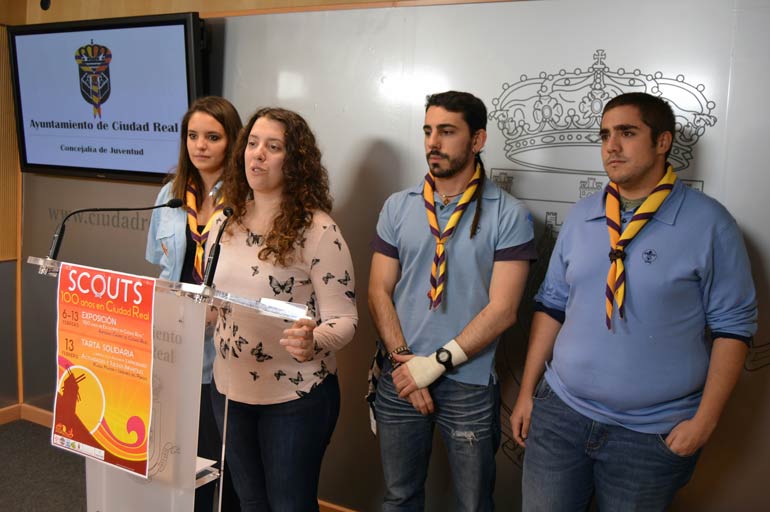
(269, 307)
(103, 399)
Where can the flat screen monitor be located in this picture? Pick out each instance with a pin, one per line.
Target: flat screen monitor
(105, 98)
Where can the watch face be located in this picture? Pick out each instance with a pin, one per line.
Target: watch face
(443, 355)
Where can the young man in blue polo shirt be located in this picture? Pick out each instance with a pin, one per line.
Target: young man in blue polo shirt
(449, 268)
(640, 350)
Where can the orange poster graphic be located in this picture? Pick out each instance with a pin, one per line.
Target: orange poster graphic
(104, 391)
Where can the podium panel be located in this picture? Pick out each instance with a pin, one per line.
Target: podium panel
(174, 470)
(173, 438)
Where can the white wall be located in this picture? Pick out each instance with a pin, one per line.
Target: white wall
(360, 78)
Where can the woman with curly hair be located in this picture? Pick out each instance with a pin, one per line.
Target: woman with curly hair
(281, 382)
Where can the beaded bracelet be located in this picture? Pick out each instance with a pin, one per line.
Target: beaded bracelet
(403, 349)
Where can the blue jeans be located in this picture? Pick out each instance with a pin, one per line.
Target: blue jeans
(569, 458)
(275, 451)
(468, 418)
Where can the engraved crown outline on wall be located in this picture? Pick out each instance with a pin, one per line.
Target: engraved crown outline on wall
(564, 109)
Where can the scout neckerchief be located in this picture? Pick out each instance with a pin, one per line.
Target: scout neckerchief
(192, 221)
(616, 278)
(438, 269)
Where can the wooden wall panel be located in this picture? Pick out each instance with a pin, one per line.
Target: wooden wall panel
(9, 158)
(68, 10)
(13, 12)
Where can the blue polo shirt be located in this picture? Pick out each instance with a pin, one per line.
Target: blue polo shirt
(504, 233)
(686, 271)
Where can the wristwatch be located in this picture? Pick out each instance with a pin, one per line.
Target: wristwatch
(444, 358)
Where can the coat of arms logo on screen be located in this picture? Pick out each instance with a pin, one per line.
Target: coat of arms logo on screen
(94, 74)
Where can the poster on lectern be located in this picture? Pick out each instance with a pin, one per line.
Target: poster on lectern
(103, 399)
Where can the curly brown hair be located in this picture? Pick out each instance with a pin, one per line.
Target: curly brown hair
(225, 114)
(305, 184)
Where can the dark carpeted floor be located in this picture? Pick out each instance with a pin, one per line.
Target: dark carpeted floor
(35, 476)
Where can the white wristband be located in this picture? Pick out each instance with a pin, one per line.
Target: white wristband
(426, 369)
(458, 354)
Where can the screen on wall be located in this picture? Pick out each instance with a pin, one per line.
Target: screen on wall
(105, 98)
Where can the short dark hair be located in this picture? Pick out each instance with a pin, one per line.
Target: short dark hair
(473, 109)
(655, 112)
(475, 115)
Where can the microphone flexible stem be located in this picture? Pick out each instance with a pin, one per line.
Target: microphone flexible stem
(213, 259)
(59, 235)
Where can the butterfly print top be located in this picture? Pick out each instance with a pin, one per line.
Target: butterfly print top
(251, 366)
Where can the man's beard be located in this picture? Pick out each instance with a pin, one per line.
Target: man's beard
(455, 164)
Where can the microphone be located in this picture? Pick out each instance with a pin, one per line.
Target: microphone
(211, 262)
(59, 235)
